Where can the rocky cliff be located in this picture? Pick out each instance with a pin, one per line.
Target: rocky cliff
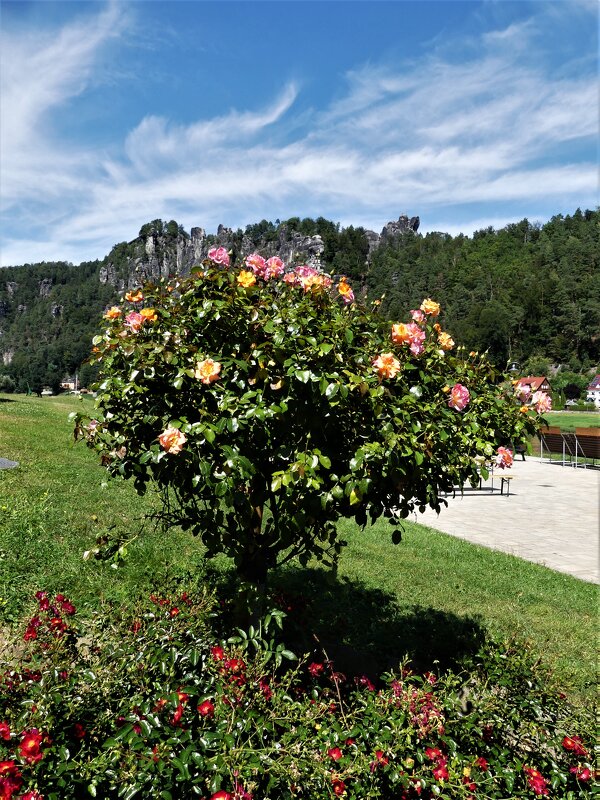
(163, 249)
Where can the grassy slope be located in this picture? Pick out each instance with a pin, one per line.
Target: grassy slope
(424, 597)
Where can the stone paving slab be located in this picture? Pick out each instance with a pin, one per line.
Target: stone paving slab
(6, 464)
(551, 517)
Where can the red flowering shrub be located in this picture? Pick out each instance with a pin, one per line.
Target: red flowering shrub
(267, 404)
(171, 709)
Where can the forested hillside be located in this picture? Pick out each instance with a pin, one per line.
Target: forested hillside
(522, 292)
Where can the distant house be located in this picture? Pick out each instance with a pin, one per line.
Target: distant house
(536, 384)
(593, 392)
(69, 382)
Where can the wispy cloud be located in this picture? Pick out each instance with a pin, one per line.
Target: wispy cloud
(490, 128)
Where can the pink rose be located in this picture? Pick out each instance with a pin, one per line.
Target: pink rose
(459, 397)
(134, 321)
(542, 402)
(257, 264)
(523, 393)
(172, 440)
(504, 457)
(219, 255)
(273, 268)
(418, 316)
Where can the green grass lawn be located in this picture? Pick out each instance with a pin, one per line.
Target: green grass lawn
(569, 420)
(428, 597)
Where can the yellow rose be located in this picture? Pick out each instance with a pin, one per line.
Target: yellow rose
(113, 313)
(149, 315)
(246, 278)
(430, 307)
(445, 341)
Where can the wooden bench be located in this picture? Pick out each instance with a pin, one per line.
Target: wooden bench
(588, 443)
(505, 482)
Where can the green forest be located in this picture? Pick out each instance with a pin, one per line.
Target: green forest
(527, 293)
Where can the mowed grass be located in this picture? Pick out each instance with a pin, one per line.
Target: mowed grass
(569, 420)
(425, 598)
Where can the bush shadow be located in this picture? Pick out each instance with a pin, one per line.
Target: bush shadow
(365, 630)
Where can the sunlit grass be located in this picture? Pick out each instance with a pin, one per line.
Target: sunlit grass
(54, 506)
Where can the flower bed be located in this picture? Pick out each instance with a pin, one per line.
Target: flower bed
(171, 704)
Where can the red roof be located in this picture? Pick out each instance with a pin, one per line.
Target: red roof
(595, 384)
(533, 382)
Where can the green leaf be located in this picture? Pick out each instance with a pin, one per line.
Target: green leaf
(303, 375)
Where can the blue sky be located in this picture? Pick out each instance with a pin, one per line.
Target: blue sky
(468, 114)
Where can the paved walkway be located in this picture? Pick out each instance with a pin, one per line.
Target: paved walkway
(551, 517)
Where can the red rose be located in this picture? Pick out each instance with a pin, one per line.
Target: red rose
(339, 787)
(335, 753)
(30, 747)
(206, 709)
(4, 731)
(574, 745)
(218, 654)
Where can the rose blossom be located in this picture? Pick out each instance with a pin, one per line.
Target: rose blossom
(246, 278)
(459, 397)
(134, 297)
(418, 316)
(149, 314)
(113, 312)
(346, 292)
(219, 255)
(541, 402)
(574, 745)
(134, 321)
(335, 753)
(207, 371)
(430, 307)
(172, 440)
(206, 709)
(257, 264)
(504, 458)
(445, 341)
(523, 393)
(30, 747)
(273, 268)
(386, 365)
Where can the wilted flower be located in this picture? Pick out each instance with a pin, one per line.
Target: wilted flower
(207, 371)
(523, 392)
(459, 397)
(219, 255)
(386, 365)
(172, 440)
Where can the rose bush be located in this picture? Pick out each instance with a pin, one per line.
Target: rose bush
(266, 404)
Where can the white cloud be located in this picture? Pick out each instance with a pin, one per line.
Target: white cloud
(412, 137)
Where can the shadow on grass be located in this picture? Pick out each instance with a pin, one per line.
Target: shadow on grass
(364, 630)
(6, 400)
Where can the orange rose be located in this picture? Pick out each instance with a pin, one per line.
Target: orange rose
(172, 440)
(430, 307)
(445, 341)
(134, 297)
(400, 333)
(148, 315)
(207, 371)
(113, 313)
(246, 278)
(386, 365)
